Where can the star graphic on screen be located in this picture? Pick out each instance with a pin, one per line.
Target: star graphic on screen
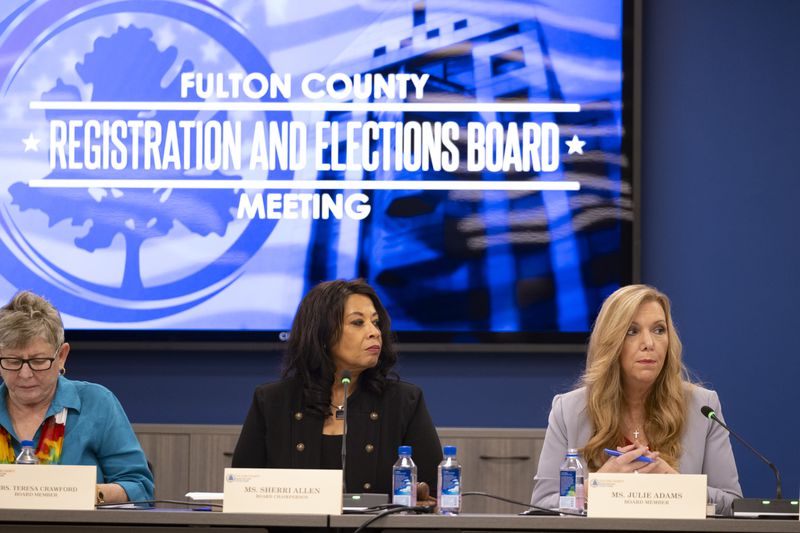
(31, 143)
(575, 145)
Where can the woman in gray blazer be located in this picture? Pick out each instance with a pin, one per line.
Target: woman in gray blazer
(636, 397)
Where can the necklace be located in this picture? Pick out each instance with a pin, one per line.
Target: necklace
(636, 432)
(339, 413)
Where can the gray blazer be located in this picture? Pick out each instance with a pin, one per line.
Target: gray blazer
(706, 448)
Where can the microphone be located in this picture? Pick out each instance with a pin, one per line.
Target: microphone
(756, 506)
(345, 379)
(711, 415)
(351, 500)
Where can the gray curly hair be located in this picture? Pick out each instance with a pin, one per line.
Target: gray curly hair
(27, 317)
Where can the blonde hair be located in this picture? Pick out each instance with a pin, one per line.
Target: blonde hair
(26, 317)
(665, 405)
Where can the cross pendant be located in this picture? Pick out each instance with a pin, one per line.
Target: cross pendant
(635, 434)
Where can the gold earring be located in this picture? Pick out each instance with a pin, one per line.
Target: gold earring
(62, 371)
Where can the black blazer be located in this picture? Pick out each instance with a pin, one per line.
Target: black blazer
(280, 433)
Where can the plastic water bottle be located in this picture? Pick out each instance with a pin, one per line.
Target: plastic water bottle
(571, 495)
(27, 456)
(449, 483)
(404, 479)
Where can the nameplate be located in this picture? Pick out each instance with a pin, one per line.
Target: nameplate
(647, 496)
(282, 491)
(47, 487)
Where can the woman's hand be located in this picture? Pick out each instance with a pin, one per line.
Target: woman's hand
(110, 493)
(627, 462)
(659, 465)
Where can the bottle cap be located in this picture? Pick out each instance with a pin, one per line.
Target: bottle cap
(404, 450)
(450, 450)
(572, 451)
(27, 443)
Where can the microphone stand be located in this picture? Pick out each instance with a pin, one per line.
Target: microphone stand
(777, 508)
(354, 499)
(345, 384)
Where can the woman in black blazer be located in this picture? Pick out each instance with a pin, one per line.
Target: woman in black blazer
(297, 422)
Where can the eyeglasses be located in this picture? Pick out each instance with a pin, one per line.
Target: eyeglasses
(37, 364)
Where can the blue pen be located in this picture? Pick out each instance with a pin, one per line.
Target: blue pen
(615, 453)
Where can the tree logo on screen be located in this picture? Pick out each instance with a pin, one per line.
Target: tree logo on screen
(121, 255)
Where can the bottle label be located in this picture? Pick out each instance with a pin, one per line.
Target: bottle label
(401, 500)
(567, 490)
(403, 489)
(450, 495)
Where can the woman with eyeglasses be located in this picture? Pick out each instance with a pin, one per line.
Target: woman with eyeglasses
(69, 422)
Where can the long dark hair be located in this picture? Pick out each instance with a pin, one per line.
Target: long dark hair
(317, 327)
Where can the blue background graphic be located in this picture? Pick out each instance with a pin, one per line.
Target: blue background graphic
(464, 262)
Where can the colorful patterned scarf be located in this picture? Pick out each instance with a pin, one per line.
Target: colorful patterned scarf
(50, 442)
